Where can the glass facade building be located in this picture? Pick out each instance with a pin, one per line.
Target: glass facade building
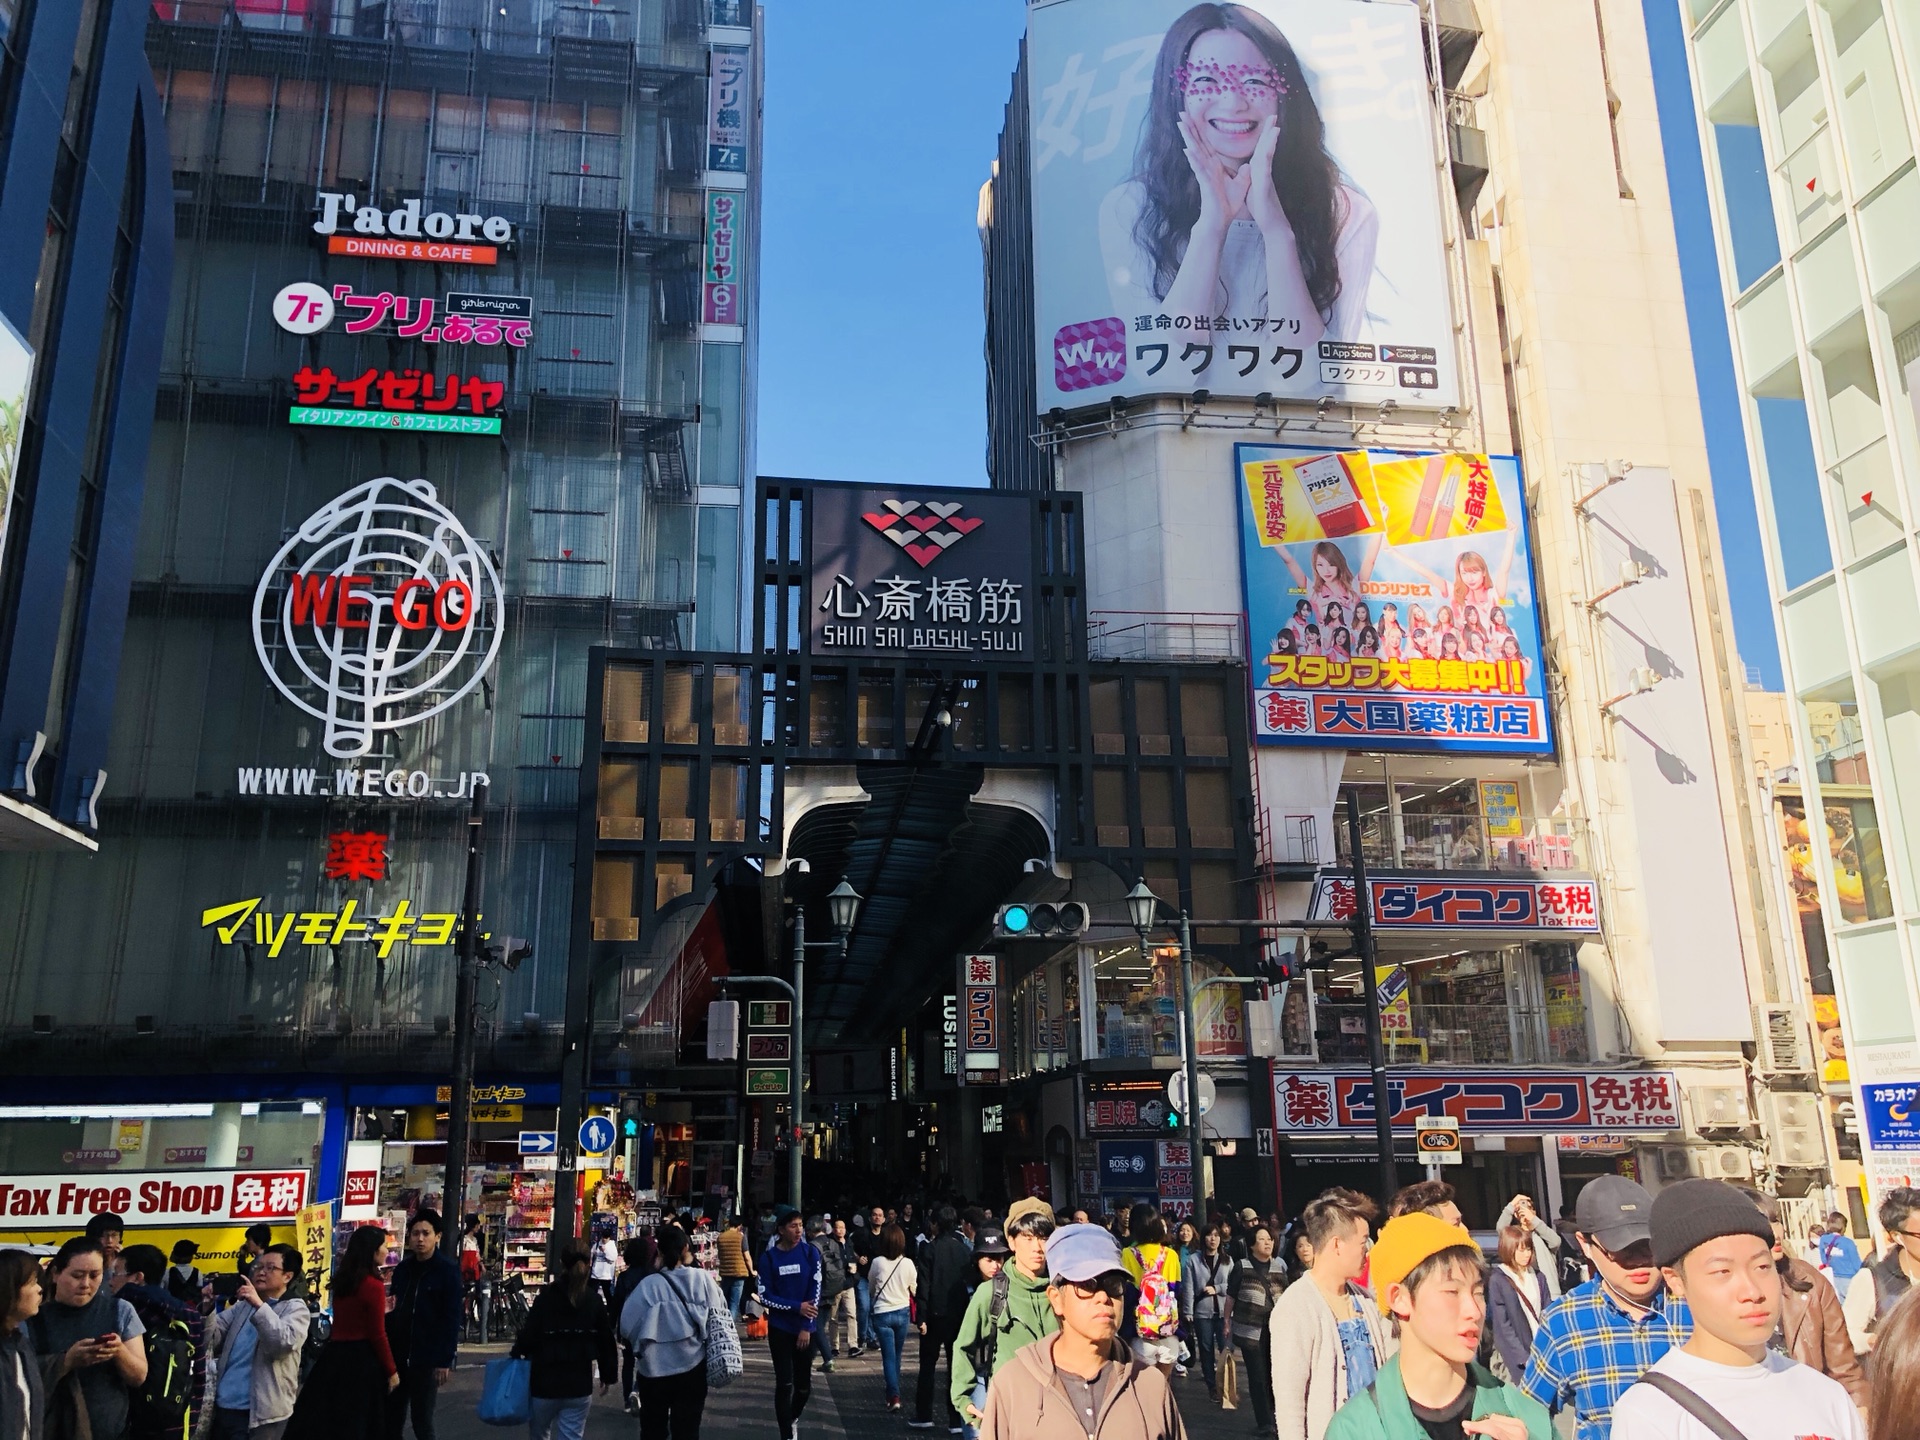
(574, 187)
(1807, 116)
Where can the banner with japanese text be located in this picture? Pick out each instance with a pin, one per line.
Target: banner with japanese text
(1391, 601)
(1509, 903)
(1483, 1101)
(168, 1197)
(1240, 199)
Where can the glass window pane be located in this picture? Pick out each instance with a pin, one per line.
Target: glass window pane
(1874, 978)
(1110, 809)
(874, 719)
(1852, 824)
(827, 711)
(623, 705)
(1156, 809)
(717, 601)
(1754, 239)
(1793, 478)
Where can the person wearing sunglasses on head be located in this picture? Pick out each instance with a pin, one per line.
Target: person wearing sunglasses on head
(1602, 1336)
(1081, 1383)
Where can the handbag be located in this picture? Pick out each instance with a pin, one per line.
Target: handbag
(1229, 1379)
(721, 1346)
(505, 1393)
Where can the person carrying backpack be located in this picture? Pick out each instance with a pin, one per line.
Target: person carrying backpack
(977, 1341)
(173, 1340)
(1007, 1312)
(254, 1348)
(184, 1281)
(1154, 1267)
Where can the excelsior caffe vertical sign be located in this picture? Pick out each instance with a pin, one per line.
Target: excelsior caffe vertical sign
(913, 571)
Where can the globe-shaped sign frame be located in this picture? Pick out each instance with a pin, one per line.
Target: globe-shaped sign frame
(386, 676)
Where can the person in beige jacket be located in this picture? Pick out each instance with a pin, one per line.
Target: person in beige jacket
(1326, 1335)
(254, 1346)
(1081, 1383)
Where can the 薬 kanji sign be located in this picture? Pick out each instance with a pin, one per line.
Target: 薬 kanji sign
(979, 992)
(1306, 1102)
(920, 572)
(356, 855)
(1499, 902)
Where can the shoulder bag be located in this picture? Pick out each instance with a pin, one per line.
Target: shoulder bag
(1688, 1401)
(721, 1344)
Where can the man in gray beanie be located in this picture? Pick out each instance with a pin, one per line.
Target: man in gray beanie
(1715, 1250)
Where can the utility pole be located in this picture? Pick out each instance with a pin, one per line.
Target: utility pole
(466, 983)
(1192, 1107)
(1376, 1044)
(797, 1131)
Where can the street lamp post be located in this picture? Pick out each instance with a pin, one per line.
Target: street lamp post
(843, 906)
(1142, 908)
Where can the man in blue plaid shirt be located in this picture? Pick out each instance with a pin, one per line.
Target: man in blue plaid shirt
(1602, 1336)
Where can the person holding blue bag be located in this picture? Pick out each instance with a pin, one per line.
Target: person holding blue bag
(566, 1334)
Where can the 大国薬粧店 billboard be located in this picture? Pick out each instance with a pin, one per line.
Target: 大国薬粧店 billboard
(1391, 601)
(1242, 199)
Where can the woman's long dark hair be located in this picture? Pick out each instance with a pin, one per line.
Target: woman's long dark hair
(1304, 175)
(360, 1261)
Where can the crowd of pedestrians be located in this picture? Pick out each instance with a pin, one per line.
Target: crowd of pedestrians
(1682, 1316)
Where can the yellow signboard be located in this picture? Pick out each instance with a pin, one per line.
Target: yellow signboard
(1411, 499)
(1500, 805)
(313, 1238)
(498, 1114)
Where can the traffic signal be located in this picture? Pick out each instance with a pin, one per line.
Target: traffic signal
(633, 1110)
(1040, 922)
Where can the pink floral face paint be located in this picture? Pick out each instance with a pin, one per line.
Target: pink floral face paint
(1258, 85)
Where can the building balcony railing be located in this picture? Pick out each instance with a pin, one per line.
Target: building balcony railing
(524, 28)
(1461, 842)
(1165, 635)
(1453, 1035)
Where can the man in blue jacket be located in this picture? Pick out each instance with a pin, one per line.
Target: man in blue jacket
(423, 1327)
(790, 1270)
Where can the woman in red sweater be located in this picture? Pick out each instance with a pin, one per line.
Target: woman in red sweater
(345, 1396)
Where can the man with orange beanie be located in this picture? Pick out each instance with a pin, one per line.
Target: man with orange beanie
(1431, 1279)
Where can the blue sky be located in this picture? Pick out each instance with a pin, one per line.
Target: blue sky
(881, 123)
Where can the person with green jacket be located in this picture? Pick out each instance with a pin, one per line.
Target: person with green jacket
(986, 1342)
(1431, 1277)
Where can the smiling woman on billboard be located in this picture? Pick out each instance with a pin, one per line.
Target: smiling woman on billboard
(1234, 206)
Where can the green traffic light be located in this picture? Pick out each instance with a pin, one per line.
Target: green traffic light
(1015, 918)
(631, 1127)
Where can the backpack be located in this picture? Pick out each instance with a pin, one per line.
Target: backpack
(160, 1404)
(985, 1350)
(1155, 1313)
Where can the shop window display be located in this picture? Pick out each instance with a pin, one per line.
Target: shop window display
(1137, 1006)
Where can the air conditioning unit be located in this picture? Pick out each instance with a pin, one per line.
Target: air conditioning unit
(1726, 1162)
(1705, 1162)
(1781, 1038)
(1719, 1107)
(1794, 1119)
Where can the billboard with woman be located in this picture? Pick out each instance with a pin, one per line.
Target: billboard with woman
(1390, 600)
(1238, 198)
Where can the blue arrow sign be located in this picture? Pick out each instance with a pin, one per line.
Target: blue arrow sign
(596, 1135)
(539, 1142)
